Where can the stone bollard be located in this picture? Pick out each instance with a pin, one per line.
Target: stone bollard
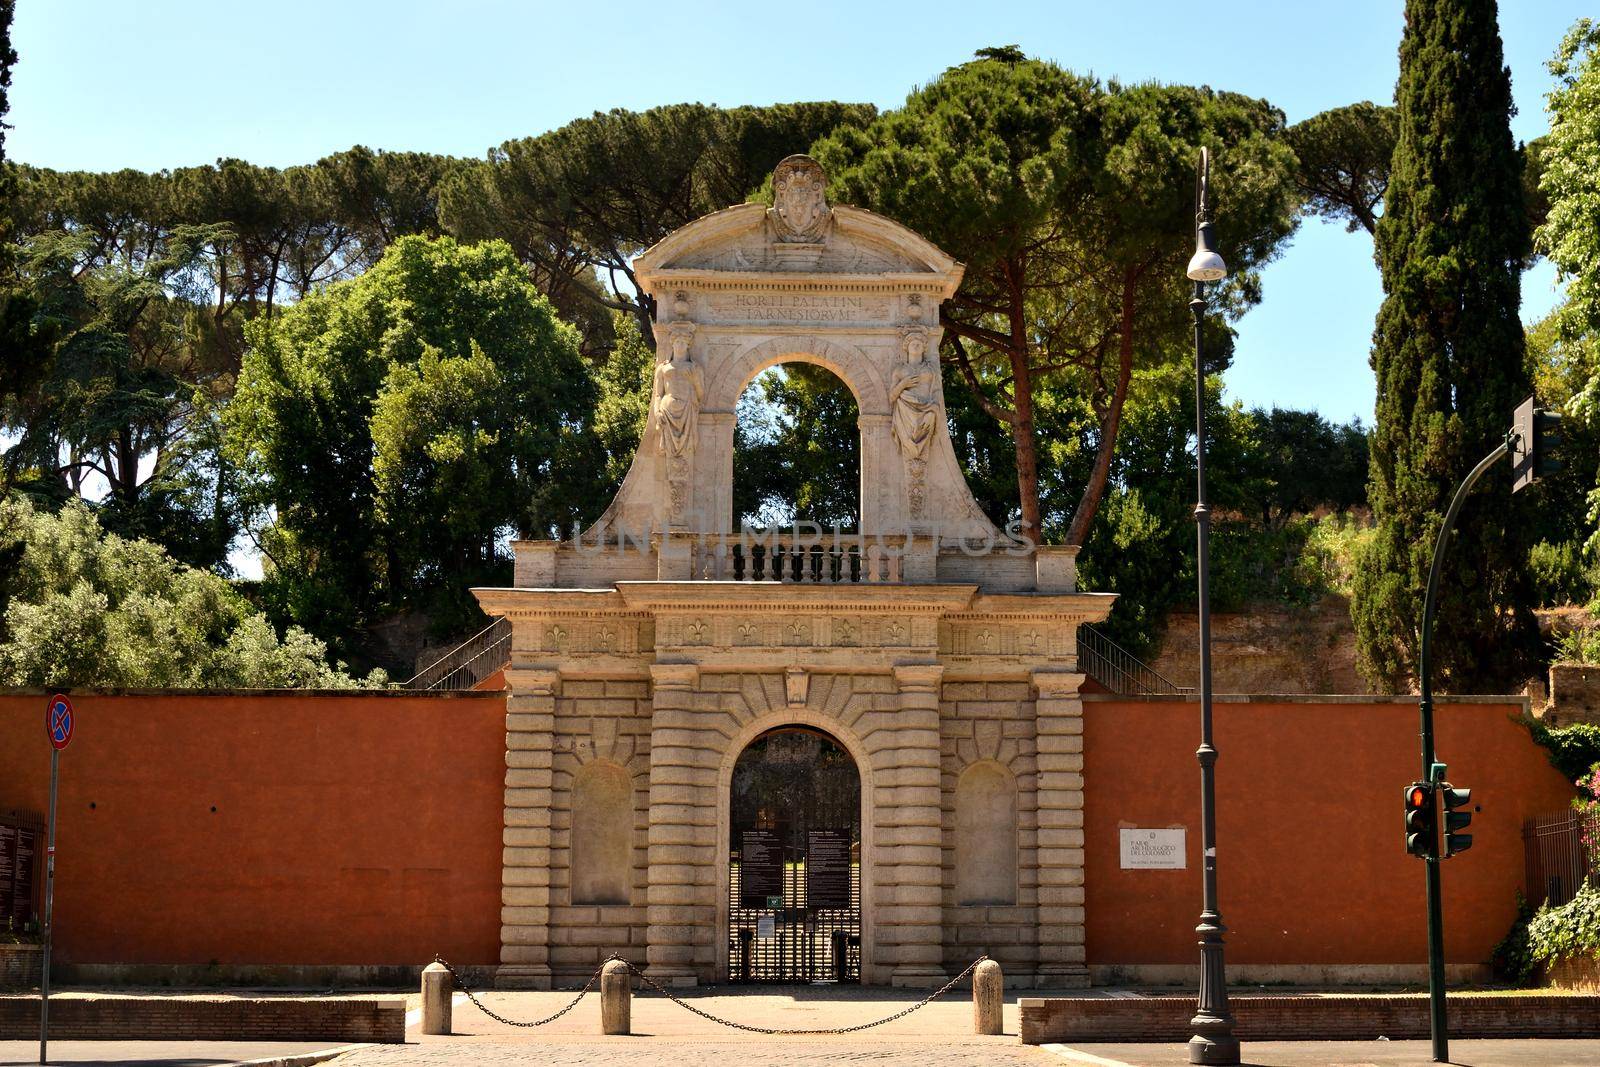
(436, 993)
(616, 998)
(988, 998)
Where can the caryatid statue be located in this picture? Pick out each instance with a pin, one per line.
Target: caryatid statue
(679, 387)
(915, 397)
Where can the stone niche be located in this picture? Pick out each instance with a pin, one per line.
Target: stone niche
(938, 652)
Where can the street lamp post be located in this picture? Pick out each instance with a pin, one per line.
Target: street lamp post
(1213, 1041)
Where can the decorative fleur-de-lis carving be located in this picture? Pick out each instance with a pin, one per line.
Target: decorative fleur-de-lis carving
(606, 639)
(697, 632)
(844, 632)
(555, 635)
(1033, 641)
(895, 632)
(749, 633)
(986, 640)
(800, 632)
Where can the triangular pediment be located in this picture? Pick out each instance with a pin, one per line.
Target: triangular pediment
(743, 240)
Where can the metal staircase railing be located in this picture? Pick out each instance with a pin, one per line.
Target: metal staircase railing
(470, 662)
(487, 651)
(1118, 669)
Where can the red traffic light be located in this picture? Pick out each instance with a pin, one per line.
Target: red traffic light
(1417, 796)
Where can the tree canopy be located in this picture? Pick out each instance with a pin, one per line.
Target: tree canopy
(396, 428)
(1448, 352)
(1067, 200)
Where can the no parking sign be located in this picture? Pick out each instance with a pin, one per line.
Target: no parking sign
(58, 722)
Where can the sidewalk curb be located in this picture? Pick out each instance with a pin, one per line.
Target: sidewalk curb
(304, 1059)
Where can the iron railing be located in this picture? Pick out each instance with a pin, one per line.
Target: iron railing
(470, 662)
(1562, 852)
(1118, 669)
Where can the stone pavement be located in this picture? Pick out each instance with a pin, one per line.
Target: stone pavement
(155, 1053)
(1473, 1053)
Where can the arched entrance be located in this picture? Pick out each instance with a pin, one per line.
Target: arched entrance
(794, 860)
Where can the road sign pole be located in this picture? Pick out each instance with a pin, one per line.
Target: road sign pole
(49, 900)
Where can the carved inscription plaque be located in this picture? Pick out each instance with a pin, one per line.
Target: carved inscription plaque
(798, 307)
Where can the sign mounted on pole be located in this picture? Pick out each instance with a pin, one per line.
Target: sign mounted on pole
(58, 722)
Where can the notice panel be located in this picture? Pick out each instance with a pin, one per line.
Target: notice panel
(760, 868)
(828, 868)
(1154, 850)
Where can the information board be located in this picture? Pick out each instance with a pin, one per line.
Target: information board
(828, 868)
(760, 868)
(17, 848)
(1154, 850)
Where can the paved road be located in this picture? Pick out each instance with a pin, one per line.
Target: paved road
(681, 1052)
(1345, 1054)
(153, 1053)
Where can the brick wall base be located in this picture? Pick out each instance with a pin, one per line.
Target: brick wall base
(1310, 1018)
(20, 966)
(158, 1018)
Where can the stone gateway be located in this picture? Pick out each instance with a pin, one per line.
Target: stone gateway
(881, 729)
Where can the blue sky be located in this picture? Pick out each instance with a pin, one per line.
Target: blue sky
(103, 84)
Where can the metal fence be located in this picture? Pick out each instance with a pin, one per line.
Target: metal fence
(470, 662)
(1118, 669)
(1562, 852)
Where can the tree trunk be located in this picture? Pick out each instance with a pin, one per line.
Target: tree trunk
(1094, 490)
(1022, 429)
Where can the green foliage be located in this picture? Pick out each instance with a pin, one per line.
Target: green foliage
(1512, 959)
(797, 450)
(399, 426)
(1343, 168)
(1570, 237)
(589, 196)
(623, 379)
(1570, 931)
(1062, 197)
(1559, 574)
(1333, 551)
(1573, 750)
(1578, 646)
(88, 608)
(1448, 352)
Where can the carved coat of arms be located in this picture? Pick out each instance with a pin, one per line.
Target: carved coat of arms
(799, 209)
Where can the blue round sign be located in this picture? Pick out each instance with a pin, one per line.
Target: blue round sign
(58, 722)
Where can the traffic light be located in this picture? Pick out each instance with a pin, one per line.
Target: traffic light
(1456, 821)
(1421, 825)
(1537, 435)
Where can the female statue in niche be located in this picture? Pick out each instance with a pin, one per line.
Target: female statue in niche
(679, 387)
(915, 398)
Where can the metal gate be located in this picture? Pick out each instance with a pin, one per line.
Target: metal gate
(794, 861)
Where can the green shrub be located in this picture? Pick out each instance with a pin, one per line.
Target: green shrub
(1559, 575)
(1512, 959)
(1333, 546)
(1571, 931)
(1578, 646)
(1574, 750)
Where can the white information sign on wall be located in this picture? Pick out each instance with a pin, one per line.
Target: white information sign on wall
(766, 927)
(1154, 850)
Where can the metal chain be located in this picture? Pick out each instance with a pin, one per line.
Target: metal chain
(497, 1017)
(686, 1006)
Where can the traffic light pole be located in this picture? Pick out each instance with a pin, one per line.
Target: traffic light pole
(1441, 1037)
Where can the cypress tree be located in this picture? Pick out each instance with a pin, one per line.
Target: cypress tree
(1448, 354)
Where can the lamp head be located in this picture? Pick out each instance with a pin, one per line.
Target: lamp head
(1206, 264)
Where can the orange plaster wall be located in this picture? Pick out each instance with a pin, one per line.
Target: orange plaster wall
(1311, 864)
(348, 829)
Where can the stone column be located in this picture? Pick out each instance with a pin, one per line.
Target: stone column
(525, 859)
(1059, 725)
(907, 894)
(879, 456)
(681, 899)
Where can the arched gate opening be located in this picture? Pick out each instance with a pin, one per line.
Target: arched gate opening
(794, 860)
